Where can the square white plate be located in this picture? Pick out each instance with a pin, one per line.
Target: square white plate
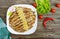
(32, 30)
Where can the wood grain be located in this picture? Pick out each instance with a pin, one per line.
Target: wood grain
(53, 29)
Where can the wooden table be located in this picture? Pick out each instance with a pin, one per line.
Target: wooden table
(52, 31)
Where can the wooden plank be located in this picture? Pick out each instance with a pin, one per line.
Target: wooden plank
(52, 31)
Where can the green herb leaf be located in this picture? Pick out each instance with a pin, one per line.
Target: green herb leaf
(9, 13)
(43, 6)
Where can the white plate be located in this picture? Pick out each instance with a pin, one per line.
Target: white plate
(32, 30)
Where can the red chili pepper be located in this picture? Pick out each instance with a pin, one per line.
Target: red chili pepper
(40, 16)
(45, 21)
(53, 10)
(57, 5)
(34, 4)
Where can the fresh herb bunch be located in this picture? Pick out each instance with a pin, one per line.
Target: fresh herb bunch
(43, 6)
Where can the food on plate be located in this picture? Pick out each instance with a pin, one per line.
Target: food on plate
(22, 19)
